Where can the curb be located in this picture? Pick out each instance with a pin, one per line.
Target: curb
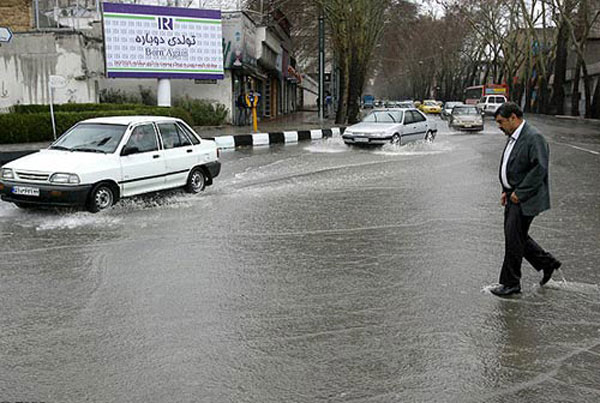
(232, 141)
(266, 139)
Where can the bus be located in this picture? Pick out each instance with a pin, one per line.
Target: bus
(473, 94)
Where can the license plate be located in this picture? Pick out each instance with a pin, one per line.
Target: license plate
(361, 140)
(468, 125)
(25, 191)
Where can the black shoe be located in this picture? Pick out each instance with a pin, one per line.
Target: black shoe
(549, 271)
(503, 290)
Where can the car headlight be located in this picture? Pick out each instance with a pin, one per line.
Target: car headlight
(67, 179)
(7, 173)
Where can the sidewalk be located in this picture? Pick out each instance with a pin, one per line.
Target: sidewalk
(301, 120)
(297, 121)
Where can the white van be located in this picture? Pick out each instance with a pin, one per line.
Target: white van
(490, 103)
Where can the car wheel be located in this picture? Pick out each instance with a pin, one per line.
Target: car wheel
(101, 198)
(429, 136)
(396, 139)
(196, 181)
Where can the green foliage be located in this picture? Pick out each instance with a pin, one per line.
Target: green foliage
(37, 127)
(73, 108)
(203, 113)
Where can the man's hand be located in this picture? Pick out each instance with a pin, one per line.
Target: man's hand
(503, 199)
(514, 198)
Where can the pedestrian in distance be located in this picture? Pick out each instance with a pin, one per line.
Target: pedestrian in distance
(525, 194)
(242, 109)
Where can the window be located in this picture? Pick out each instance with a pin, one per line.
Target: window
(188, 133)
(417, 117)
(143, 139)
(408, 118)
(500, 100)
(173, 136)
(383, 117)
(482, 100)
(91, 137)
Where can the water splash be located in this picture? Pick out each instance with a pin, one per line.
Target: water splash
(329, 145)
(415, 149)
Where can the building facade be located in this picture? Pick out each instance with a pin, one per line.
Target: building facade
(255, 57)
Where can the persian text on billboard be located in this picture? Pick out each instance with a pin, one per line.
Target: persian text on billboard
(162, 42)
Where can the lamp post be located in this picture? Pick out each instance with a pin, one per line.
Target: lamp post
(321, 64)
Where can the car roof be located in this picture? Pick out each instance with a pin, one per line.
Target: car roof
(127, 120)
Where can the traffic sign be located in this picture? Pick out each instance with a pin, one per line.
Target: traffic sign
(5, 34)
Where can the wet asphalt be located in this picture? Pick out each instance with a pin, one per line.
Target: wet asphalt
(311, 273)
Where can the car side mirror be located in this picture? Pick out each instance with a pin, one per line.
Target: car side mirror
(129, 150)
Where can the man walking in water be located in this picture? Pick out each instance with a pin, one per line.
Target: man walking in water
(525, 194)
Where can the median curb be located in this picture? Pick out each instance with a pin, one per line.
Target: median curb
(230, 141)
(268, 138)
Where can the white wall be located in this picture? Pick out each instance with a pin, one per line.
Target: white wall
(220, 92)
(30, 58)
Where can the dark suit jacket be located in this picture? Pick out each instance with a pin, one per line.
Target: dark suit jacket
(527, 171)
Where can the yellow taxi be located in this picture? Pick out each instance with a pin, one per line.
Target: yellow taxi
(430, 106)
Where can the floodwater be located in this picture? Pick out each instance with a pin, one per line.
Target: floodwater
(313, 272)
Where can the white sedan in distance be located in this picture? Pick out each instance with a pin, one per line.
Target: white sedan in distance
(98, 161)
(394, 125)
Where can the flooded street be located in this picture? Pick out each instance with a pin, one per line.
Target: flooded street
(313, 272)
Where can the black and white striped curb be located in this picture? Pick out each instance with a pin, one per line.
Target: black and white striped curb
(265, 139)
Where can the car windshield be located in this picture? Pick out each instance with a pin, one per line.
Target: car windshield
(465, 111)
(405, 105)
(430, 103)
(91, 137)
(450, 105)
(384, 117)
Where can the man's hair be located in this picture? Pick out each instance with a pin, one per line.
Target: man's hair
(507, 109)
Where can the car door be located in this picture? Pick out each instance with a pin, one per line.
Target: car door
(143, 166)
(420, 124)
(409, 126)
(179, 153)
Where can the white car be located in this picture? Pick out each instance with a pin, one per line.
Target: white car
(490, 103)
(396, 126)
(98, 161)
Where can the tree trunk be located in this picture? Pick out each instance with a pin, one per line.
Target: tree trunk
(557, 104)
(575, 93)
(596, 103)
(340, 115)
(587, 91)
(354, 89)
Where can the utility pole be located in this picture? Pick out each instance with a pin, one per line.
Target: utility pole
(321, 64)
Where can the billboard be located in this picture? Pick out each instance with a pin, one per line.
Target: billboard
(162, 42)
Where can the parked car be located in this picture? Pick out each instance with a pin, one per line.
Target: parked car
(98, 161)
(447, 109)
(490, 103)
(405, 105)
(396, 126)
(466, 117)
(430, 106)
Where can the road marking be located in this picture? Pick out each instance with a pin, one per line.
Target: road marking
(584, 149)
(580, 148)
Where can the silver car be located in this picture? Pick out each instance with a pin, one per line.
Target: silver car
(394, 125)
(466, 117)
(447, 109)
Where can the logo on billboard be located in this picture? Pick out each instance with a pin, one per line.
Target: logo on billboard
(165, 23)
